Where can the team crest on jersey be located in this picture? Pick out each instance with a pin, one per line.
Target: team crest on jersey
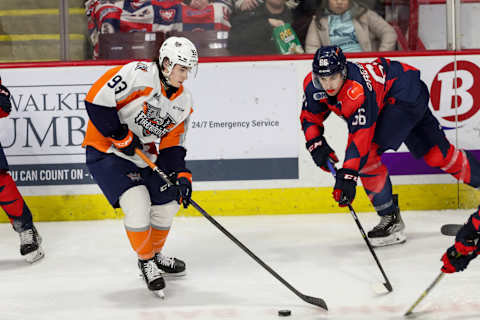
(355, 91)
(153, 122)
(142, 66)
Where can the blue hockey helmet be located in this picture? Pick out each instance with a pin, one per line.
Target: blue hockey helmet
(328, 60)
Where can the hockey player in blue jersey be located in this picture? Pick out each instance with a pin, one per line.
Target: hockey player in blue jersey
(385, 104)
(12, 201)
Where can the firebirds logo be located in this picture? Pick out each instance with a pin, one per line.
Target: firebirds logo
(152, 121)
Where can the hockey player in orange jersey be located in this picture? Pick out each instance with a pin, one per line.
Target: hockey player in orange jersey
(135, 106)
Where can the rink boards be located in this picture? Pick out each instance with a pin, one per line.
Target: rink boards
(245, 145)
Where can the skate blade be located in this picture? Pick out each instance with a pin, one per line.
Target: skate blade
(166, 275)
(34, 256)
(173, 275)
(159, 293)
(395, 238)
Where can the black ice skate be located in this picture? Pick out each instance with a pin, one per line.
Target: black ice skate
(152, 276)
(30, 242)
(390, 229)
(171, 267)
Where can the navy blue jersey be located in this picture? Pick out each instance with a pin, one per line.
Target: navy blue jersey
(402, 80)
(359, 103)
(365, 92)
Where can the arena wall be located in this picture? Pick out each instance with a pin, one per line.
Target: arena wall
(245, 145)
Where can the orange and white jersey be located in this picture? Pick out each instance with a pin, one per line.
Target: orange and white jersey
(135, 91)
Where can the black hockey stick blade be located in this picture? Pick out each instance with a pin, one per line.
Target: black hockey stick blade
(450, 229)
(388, 286)
(315, 301)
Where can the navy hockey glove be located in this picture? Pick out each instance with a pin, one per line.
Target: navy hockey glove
(5, 104)
(453, 261)
(126, 141)
(345, 186)
(184, 187)
(321, 152)
(466, 238)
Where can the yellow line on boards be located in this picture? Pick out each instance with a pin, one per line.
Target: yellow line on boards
(34, 37)
(38, 12)
(258, 202)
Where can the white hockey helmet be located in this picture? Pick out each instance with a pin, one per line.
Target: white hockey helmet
(178, 50)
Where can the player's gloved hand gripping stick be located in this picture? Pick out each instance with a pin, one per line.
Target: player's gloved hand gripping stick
(309, 299)
(345, 202)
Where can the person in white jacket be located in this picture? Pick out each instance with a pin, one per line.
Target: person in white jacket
(351, 26)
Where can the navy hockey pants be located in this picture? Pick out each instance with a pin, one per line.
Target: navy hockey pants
(115, 175)
(415, 125)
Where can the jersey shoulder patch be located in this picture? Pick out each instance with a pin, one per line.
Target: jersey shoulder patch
(142, 66)
(355, 91)
(351, 97)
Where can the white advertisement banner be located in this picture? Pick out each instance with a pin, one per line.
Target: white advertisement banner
(242, 111)
(245, 124)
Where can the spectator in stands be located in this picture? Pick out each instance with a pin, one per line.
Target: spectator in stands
(102, 17)
(202, 15)
(252, 30)
(351, 26)
(112, 16)
(302, 17)
(246, 5)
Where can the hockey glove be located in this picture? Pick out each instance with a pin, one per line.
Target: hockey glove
(5, 104)
(345, 186)
(465, 240)
(321, 152)
(184, 187)
(453, 261)
(126, 141)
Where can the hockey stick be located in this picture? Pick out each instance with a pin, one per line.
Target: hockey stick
(309, 299)
(450, 229)
(387, 283)
(424, 293)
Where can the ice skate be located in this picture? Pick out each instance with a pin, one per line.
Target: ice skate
(152, 276)
(171, 267)
(390, 229)
(30, 242)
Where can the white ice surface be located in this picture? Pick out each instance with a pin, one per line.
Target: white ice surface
(90, 271)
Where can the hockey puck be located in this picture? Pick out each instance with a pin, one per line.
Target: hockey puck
(284, 313)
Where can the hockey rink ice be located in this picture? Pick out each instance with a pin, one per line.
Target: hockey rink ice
(90, 272)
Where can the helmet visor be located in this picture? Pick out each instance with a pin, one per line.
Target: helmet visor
(316, 81)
